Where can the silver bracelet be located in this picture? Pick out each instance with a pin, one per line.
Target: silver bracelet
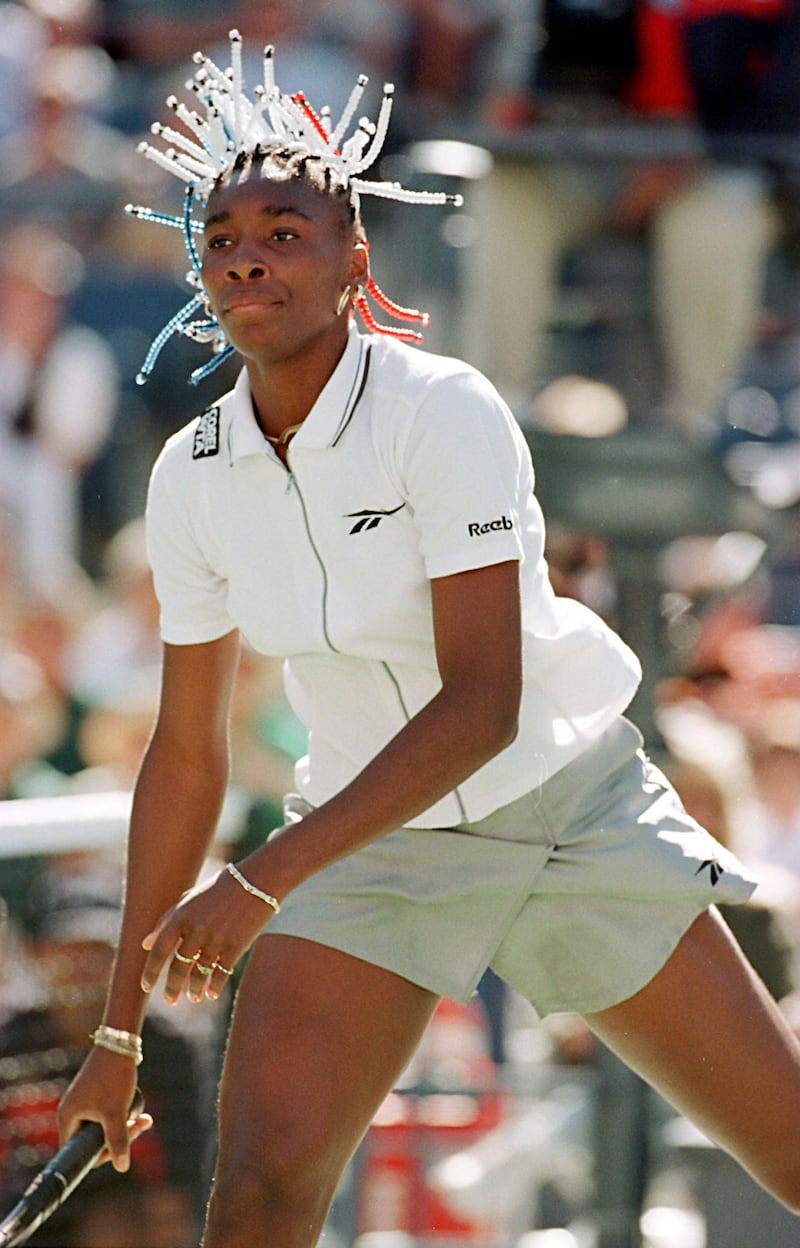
(251, 888)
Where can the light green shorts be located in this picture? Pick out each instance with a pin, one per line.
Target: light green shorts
(575, 894)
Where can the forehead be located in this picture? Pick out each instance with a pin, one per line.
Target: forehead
(274, 198)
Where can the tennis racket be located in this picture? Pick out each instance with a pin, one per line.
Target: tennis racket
(57, 1180)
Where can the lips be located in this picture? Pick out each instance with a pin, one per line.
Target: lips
(250, 298)
(249, 303)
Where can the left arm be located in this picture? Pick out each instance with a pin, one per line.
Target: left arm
(478, 634)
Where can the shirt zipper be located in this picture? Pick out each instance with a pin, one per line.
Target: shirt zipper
(291, 482)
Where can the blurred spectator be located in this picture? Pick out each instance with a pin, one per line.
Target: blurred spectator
(22, 37)
(709, 214)
(59, 167)
(111, 740)
(580, 567)
(58, 391)
(313, 50)
(48, 621)
(31, 723)
(441, 56)
(315, 42)
(72, 919)
(119, 648)
(783, 606)
(151, 33)
(10, 587)
(775, 752)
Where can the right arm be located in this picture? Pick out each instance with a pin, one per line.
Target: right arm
(176, 805)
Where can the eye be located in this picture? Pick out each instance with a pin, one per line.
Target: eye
(284, 235)
(216, 241)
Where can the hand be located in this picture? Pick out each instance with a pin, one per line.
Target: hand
(102, 1091)
(202, 938)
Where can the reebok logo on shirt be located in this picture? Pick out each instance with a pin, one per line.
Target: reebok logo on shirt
(478, 530)
(369, 518)
(206, 435)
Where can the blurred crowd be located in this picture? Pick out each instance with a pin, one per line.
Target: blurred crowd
(625, 258)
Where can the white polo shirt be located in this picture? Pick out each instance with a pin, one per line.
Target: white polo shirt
(408, 467)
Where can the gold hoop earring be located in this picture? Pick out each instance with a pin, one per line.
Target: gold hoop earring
(344, 299)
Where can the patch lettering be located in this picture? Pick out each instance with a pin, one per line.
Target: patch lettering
(206, 435)
(475, 529)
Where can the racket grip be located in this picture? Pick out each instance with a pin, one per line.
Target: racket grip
(56, 1180)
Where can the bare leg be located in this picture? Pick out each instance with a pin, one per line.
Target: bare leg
(707, 1035)
(317, 1041)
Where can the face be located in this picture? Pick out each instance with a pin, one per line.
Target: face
(275, 259)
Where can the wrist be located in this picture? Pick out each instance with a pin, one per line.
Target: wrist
(249, 887)
(118, 1040)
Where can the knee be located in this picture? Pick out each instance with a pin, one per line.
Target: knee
(270, 1194)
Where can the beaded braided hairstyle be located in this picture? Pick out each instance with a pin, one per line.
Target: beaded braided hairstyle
(269, 131)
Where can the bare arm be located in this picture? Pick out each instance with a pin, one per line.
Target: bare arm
(176, 805)
(478, 646)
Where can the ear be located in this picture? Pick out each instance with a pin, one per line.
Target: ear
(359, 264)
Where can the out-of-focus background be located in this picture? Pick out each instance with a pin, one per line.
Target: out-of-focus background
(626, 269)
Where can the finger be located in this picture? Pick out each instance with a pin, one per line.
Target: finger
(68, 1124)
(153, 935)
(135, 1127)
(151, 971)
(201, 977)
(161, 950)
(118, 1143)
(220, 978)
(179, 972)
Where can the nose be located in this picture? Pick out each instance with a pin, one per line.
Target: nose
(244, 268)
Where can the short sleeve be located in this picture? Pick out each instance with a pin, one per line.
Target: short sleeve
(192, 596)
(467, 476)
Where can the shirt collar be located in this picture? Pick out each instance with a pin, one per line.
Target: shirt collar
(327, 419)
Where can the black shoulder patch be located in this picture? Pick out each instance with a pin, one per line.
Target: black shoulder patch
(206, 435)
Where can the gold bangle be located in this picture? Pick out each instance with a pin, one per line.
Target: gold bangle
(251, 888)
(104, 1038)
(130, 1038)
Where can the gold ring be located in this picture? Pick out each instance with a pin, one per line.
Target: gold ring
(204, 970)
(219, 967)
(179, 957)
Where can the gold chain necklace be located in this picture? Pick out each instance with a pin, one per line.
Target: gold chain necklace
(282, 438)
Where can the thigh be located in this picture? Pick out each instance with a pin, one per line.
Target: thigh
(318, 1038)
(706, 1034)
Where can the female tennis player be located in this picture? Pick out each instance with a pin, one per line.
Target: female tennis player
(473, 794)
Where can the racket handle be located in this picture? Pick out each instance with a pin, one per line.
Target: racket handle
(55, 1181)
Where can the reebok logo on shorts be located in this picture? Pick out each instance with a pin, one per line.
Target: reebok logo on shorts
(715, 871)
(206, 435)
(478, 530)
